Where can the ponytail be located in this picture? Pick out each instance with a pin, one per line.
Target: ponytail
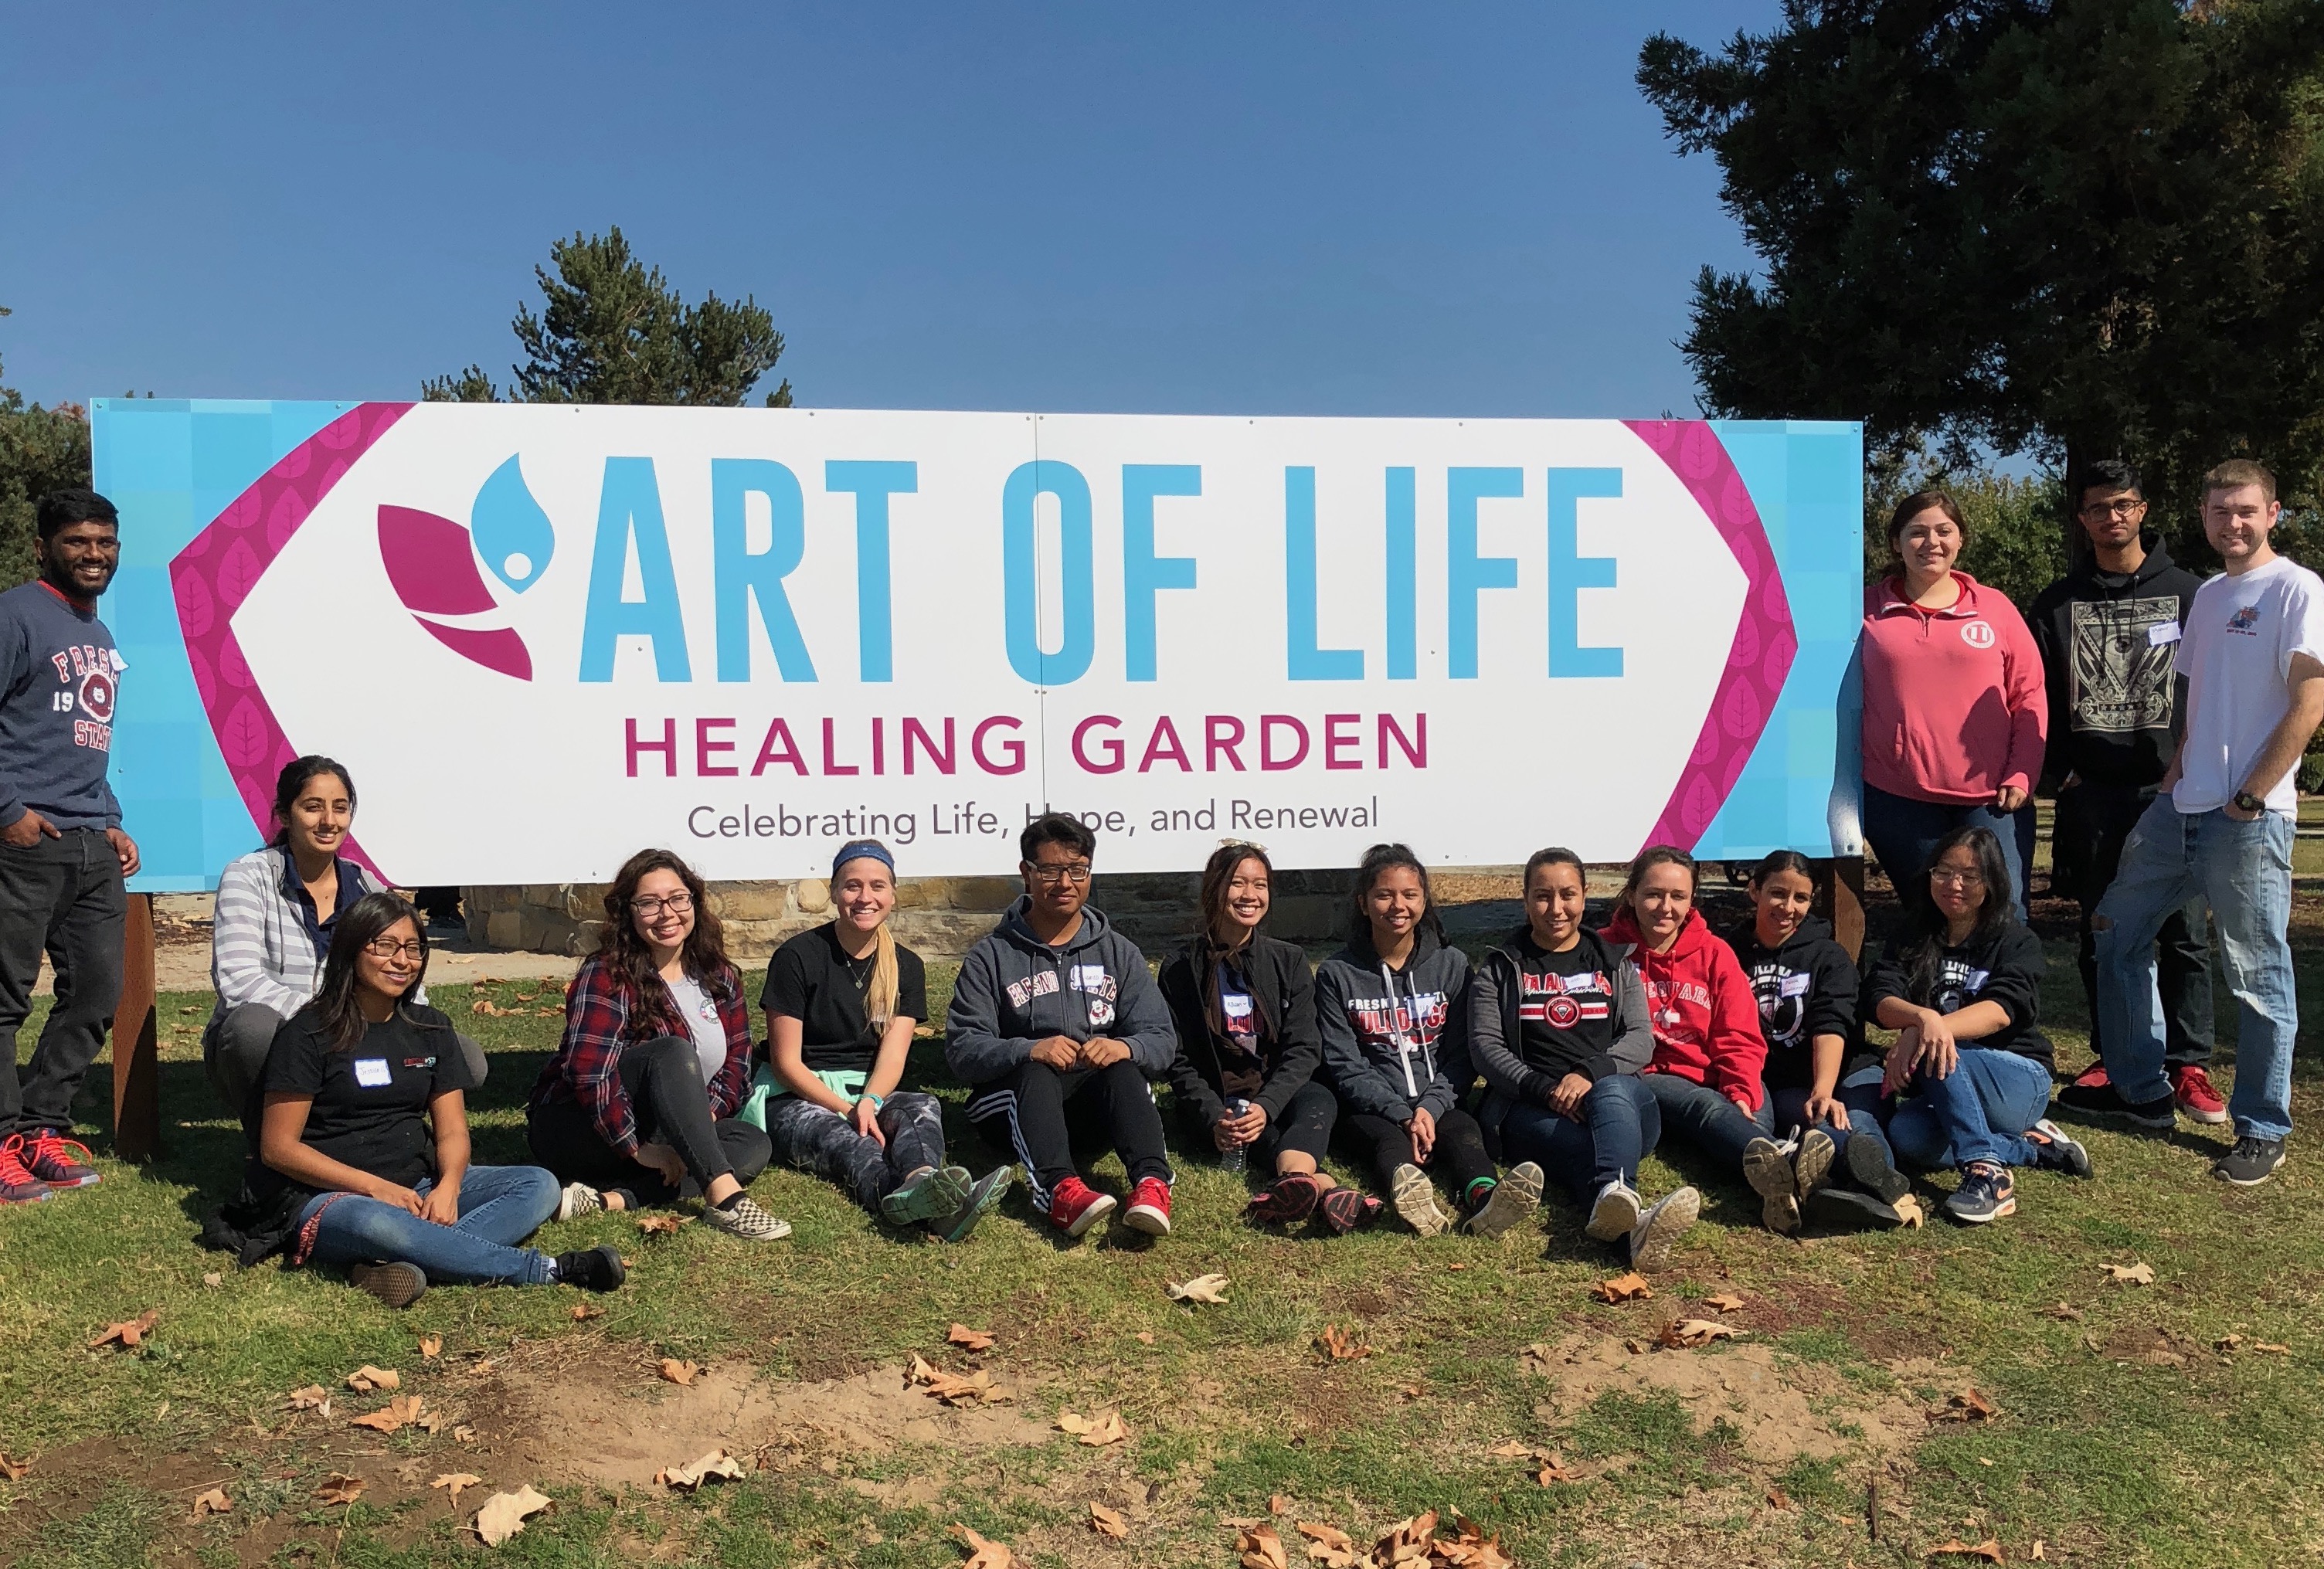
(880, 998)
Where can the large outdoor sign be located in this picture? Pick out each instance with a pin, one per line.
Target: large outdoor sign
(541, 637)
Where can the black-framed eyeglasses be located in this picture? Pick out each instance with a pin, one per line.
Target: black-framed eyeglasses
(388, 948)
(651, 907)
(1052, 876)
(1946, 877)
(2122, 506)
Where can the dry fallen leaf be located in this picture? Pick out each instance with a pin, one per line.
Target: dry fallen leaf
(2064, 1312)
(309, 1398)
(716, 1466)
(1340, 1347)
(1726, 1302)
(1145, 1337)
(429, 1346)
(339, 1487)
(1629, 1288)
(504, 1513)
(1329, 1547)
(129, 1333)
(2140, 1274)
(1989, 1550)
(581, 1313)
(1909, 1212)
(678, 1372)
(976, 1389)
(213, 1502)
(1278, 1504)
(983, 1553)
(1472, 1550)
(367, 1378)
(1106, 1523)
(1777, 1498)
(1201, 1289)
(1513, 1450)
(661, 1223)
(14, 1470)
(213, 1279)
(1694, 1331)
(1097, 1432)
(973, 1339)
(464, 1434)
(453, 1481)
(2034, 1552)
(1968, 1406)
(397, 1413)
(2269, 1347)
(1262, 1548)
(1555, 1469)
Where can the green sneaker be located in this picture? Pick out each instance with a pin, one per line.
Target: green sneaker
(928, 1194)
(984, 1195)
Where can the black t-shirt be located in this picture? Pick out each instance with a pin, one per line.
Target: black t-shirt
(811, 979)
(1565, 1007)
(370, 1100)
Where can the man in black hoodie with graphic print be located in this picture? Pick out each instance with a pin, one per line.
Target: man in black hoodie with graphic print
(2107, 631)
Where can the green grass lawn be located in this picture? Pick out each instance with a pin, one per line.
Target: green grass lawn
(2122, 1436)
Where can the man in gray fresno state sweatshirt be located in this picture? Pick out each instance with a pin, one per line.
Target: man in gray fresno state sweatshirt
(62, 854)
(1056, 1026)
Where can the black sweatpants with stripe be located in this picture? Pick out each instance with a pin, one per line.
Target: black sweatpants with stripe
(1043, 1118)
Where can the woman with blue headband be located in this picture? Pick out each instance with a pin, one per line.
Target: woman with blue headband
(842, 1002)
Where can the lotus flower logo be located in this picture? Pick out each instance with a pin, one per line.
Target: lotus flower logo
(431, 561)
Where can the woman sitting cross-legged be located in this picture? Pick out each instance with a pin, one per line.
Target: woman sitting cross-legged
(1393, 1008)
(842, 1002)
(1807, 987)
(361, 1157)
(1960, 984)
(640, 1104)
(1248, 1048)
(1557, 1020)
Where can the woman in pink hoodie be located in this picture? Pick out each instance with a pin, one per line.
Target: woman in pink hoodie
(1709, 1052)
(1955, 710)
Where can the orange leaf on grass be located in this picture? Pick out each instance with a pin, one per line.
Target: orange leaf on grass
(14, 1470)
(1107, 1523)
(973, 1339)
(1629, 1288)
(505, 1514)
(1555, 1469)
(339, 1487)
(1097, 1432)
(213, 1502)
(1262, 1548)
(678, 1372)
(1725, 1302)
(661, 1222)
(983, 1552)
(1989, 1550)
(397, 1413)
(1968, 1406)
(129, 1333)
(1341, 1347)
(453, 1481)
(429, 1346)
(367, 1378)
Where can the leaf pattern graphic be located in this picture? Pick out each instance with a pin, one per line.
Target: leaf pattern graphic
(238, 573)
(247, 736)
(197, 611)
(233, 669)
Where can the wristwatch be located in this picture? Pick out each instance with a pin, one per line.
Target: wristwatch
(2246, 801)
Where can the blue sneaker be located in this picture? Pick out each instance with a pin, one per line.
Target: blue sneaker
(1986, 1192)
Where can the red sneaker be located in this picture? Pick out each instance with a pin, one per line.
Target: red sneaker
(18, 1186)
(1076, 1207)
(44, 1156)
(2093, 1076)
(2191, 1087)
(1150, 1207)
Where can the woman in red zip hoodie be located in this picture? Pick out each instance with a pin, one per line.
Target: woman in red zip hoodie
(1705, 1072)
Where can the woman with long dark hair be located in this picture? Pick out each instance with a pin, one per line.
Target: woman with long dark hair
(842, 1000)
(361, 1157)
(276, 910)
(1960, 983)
(1244, 1004)
(1955, 706)
(1392, 1007)
(641, 1103)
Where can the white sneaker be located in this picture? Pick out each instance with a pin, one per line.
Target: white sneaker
(1661, 1225)
(579, 1199)
(745, 1220)
(1615, 1213)
(1517, 1196)
(1414, 1197)
(1767, 1168)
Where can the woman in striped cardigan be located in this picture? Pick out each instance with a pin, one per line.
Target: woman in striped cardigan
(276, 910)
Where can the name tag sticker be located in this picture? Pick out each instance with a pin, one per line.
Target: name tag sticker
(372, 1073)
(1089, 978)
(2161, 632)
(1234, 1007)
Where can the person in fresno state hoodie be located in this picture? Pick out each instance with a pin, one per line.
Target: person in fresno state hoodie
(1391, 1006)
(1709, 1053)
(1558, 1022)
(1245, 1008)
(1806, 988)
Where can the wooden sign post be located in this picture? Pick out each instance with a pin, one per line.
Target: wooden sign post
(136, 1042)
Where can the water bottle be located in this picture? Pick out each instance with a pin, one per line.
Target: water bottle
(1237, 1157)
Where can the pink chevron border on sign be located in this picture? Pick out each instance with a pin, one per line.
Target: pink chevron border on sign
(217, 570)
(1760, 657)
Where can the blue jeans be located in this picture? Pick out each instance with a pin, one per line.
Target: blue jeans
(1620, 1125)
(1979, 1112)
(1700, 1117)
(500, 1206)
(1902, 832)
(2245, 871)
(1786, 1109)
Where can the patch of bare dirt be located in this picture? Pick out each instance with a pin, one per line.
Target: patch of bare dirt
(1784, 1409)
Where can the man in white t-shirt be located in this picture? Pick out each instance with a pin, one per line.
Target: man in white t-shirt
(2253, 655)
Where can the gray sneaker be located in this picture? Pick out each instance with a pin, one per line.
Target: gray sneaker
(1414, 1197)
(2251, 1162)
(1811, 1166)
(745, 1220)
(1614, 1214)
(1517, 1196)
(1767, 1168)
(1662, 1224)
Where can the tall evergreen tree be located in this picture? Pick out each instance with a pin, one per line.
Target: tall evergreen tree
(40, 450)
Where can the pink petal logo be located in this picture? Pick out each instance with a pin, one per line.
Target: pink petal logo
(431, 562)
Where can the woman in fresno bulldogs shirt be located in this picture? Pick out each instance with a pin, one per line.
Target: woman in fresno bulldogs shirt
(1955, 707)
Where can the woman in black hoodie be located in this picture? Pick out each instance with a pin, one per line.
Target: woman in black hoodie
(1248, 1048)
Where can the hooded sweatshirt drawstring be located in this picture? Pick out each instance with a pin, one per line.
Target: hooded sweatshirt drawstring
(1396, 1013)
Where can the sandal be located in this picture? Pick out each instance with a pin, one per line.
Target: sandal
(1286, 1201)
(1345, 1209)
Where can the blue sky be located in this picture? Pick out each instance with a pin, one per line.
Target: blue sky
(1357, 209)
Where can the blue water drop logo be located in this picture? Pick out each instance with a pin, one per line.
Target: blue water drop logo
(513, 534)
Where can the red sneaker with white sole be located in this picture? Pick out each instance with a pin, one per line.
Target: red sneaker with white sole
(1150, 1207)
(44, 1156)
(1076, 1207)
(2191, 1087)
(18, 1186)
